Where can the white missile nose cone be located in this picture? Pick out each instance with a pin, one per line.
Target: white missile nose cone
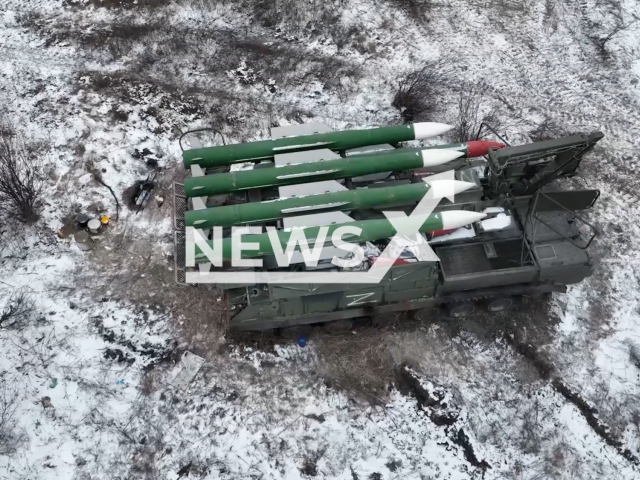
(459, 218)
(439, 156)
(448, 188)
(429, 129)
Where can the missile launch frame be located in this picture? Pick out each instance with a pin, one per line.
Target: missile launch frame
(543, 249)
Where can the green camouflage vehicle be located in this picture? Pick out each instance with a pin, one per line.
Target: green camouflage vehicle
(509, 231)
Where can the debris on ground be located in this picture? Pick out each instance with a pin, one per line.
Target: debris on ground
(189, 366)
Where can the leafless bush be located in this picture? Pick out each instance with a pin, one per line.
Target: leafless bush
(560, 461)
(310, 463)
(601, 41)
(141, 443)
(143, 461)
(634, 355)
(13, 238)
(546, 130)
(516, 423)
(270, 12)
(418, 10)
(563, 460)
(418, 91)
(471, 122)
(618, 410)
(18, 311)
(203, 321)
(21, 178)
(11, 438)
(144, 442)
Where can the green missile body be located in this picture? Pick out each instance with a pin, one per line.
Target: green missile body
(355, 166)
(370, 230)
(345, 140)
(247, 213)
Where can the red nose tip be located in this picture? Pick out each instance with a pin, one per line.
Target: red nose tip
(437, 233)
(479, 148)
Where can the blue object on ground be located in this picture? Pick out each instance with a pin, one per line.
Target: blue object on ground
(302, 341)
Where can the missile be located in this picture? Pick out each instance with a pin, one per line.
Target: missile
(345, 140)
(248, 213)
(370, 230)
(479, 148)
(355, 166)
(473, 148)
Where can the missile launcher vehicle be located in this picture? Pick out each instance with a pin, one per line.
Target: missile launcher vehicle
(498, 226)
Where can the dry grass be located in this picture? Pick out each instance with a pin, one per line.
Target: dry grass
(136, 266)
(361, 363)
(152, 50)
(11, 437)
(418, 10)
(144, 5)
(366, 364)
(138, 274)
(149, 383)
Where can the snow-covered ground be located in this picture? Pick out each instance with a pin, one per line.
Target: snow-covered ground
(86, 387)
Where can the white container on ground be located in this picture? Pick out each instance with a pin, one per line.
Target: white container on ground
(84, 240)
(94, 225)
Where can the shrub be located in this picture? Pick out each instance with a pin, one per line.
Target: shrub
(546, 130)
(20, 178)
(18, 310)
(418, 10)
(418, 91)
(471, 123)
(11, 438)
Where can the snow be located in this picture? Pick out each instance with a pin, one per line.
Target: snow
(500, 221)
(255, 414)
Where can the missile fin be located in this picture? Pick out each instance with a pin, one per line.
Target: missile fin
(304, 145)
(305, 208)
(307, 174)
